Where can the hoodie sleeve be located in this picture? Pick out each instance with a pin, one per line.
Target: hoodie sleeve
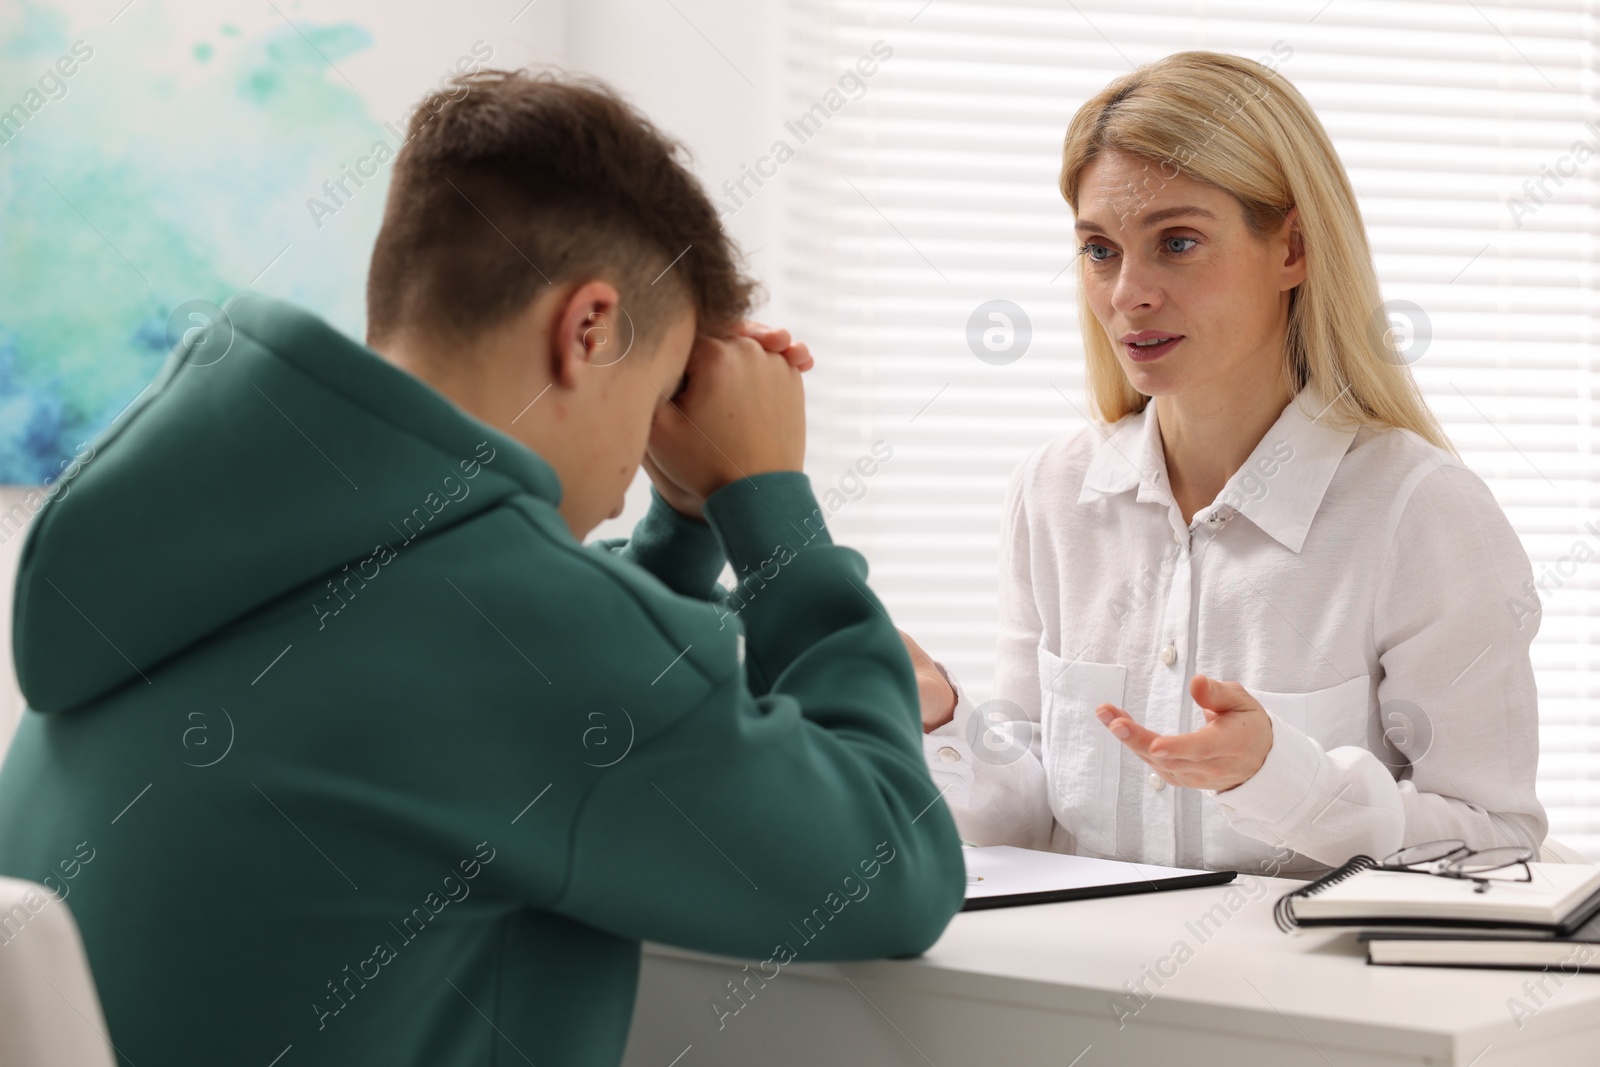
(683, 552)
(799, 822)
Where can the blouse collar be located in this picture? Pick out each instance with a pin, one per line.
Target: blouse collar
(1279, 487)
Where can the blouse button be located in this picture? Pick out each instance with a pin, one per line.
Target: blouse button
(1169, 655)
(949, 755)
(1177, 535)
(1157, 782)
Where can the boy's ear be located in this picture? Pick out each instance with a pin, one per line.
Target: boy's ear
(585, 329)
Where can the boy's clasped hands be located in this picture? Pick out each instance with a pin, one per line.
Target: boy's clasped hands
(738, 411)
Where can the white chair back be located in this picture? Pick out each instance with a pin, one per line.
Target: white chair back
(49, 1011)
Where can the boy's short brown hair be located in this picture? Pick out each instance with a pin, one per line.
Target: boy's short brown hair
(508, 181)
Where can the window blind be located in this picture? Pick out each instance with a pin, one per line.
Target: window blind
(915, 195)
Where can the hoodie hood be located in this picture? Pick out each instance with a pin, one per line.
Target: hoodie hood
(228, 485)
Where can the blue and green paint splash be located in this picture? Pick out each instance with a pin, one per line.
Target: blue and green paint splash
(173, 168)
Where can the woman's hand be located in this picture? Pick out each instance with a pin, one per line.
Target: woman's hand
(1229, 749)
(936, 696)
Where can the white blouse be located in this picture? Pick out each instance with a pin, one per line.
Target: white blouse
(1362, 584)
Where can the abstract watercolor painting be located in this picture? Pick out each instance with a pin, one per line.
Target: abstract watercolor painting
(150, 158)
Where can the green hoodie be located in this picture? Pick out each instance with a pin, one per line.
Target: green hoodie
(340, 744)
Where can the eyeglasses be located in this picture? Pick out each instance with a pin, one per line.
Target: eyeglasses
(1453, 859)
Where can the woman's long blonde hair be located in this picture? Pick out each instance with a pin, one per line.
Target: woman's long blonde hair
(1236, 124)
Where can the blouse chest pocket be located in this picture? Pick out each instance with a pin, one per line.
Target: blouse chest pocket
(1335, 717)
(1082, 760)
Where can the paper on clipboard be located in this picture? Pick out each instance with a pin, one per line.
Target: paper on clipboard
(1002, 876)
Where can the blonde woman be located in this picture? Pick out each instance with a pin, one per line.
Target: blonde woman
(1259, 617)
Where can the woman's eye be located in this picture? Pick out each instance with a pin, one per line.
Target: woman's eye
(1090, 251)
(1178, 251)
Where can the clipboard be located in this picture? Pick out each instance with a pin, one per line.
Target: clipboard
(1004, 876)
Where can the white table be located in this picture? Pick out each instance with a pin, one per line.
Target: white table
(1034, 985)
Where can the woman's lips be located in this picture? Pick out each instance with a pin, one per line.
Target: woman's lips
(1146, 353)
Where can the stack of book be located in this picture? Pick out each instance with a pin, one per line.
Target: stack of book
(1413, 919)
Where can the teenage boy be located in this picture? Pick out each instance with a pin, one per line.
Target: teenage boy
(354, 752)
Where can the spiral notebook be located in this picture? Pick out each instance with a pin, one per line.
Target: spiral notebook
(1499, 949)
(1560, 899)
(1002, 876)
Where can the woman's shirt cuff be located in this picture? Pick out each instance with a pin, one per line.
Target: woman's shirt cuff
(1274, 796)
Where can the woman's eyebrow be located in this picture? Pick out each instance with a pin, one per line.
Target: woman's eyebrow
(1155, 218)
